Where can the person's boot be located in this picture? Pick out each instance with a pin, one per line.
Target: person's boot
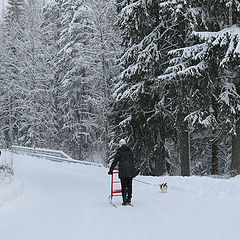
(124, 203)
(124, 197)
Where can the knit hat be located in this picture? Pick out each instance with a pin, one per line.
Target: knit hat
(122, 142)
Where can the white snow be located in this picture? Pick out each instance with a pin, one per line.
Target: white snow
(9, 190)
(67, 201)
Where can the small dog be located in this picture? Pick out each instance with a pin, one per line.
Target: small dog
(163, 187)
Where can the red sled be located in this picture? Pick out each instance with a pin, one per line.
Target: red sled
(114, 191)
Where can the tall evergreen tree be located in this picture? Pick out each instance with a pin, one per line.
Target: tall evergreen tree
(13, 32)
(175, 91)
(214, 101)
(35, 113)
(101, 53)
(143, 41)
(51, 28)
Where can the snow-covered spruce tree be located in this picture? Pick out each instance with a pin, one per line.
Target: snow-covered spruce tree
(174, 91)
(232, 92)
(231, 62)
(221, 67)
(3, 92)
(51, 29)
(12, 35)
(37, 125)
(83, 40)
(201, 19)
(101, 52)
(134, 115)
(27, 75)
(214, 100)
(70, 72)
(79, 119)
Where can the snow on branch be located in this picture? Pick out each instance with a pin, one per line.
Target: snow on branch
(229, 96)
(188, 61)
(228, 38)
(130, 10)
(195, 52)
(193, 60)
(229, 3)
(124, 122)
(134, 90)
(142, 54)
(202, 118)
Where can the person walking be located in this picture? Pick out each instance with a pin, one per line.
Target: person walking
(127, 171)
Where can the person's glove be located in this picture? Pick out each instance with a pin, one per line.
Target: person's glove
(110, 173)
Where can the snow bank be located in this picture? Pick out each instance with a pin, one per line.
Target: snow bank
(10, 185)
(10, 190)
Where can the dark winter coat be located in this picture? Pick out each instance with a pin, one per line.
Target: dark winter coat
(125, 158)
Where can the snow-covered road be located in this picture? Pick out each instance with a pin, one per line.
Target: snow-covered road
(62, 201)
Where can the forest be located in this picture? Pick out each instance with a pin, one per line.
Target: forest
(79, 75)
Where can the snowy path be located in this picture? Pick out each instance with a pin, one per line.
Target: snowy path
(63, 201)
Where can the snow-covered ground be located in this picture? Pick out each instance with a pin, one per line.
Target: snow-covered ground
(62, 201)
(9, 190)
(10, 185)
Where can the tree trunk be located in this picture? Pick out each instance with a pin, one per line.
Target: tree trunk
(184, 149)
(160, 161)
(235, 166)
(159, 158)
(214, 169)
